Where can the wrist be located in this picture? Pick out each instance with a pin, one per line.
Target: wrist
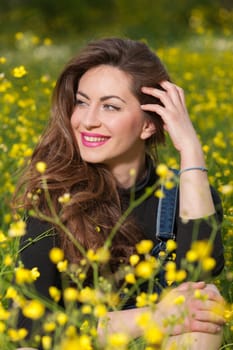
(192, 157)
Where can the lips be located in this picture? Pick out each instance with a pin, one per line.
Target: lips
(93, 140)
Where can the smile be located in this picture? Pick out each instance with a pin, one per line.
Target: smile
(93, 140)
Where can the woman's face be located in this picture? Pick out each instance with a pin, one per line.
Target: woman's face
(108, 122)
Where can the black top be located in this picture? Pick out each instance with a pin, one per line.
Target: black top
(36, 253)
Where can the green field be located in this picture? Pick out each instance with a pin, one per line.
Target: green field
(202, 66)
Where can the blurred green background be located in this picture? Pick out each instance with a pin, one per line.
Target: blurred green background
(160, 22)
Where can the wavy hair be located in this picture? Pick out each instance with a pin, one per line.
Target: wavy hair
(87, 183)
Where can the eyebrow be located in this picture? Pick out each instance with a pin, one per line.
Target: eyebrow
(104, 98)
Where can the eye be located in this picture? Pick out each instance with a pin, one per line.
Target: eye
(110, 107)
(79, 102)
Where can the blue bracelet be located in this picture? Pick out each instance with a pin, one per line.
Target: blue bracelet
(193, 168)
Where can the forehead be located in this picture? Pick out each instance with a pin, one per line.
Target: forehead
(106, 77)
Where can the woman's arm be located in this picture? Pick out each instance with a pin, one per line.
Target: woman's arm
(200, 315)
(195, 197)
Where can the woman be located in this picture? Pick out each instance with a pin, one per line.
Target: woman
(111, 107)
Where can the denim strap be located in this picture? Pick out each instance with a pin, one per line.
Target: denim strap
(166, 213)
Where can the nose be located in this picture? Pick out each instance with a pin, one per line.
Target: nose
(91, 118)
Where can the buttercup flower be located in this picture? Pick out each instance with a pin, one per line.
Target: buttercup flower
(144, 246)
(41, 167)
(33, 309)
(56, 255)
(19, 72)
(17, 229)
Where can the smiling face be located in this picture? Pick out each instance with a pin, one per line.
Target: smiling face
(108, 122)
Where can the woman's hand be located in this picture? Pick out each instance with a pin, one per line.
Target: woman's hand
(174, 114)
(198, 306)
(195, 197)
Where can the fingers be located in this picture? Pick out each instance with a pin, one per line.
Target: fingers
(197, 326)
(205, 327)
(213, 293)
(209, 316)
(171, 96)
(191, 286)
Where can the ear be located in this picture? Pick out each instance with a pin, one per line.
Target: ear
(148, 129)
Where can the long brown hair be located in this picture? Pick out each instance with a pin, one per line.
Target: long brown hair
(88, 184)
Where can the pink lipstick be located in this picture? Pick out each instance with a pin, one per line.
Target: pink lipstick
(93, 140)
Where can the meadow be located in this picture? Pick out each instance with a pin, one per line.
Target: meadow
(202, 66)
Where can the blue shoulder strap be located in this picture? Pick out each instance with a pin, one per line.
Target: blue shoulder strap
(166, 216)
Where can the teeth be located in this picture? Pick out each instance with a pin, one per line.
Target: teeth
(95, 139)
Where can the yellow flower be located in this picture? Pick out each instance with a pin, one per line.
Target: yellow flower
(141, 300)
(2, 60)
(98, 229)
(41, 167)
(33, 309)
(162, 170)
(65, 198)
(2, 327)
(71, 294)
(49, 326)
(88, 295)
(118, 340)
(17, 229)
(71, 331)
(61, 318)
(8, 260)
(17, 334)
(19, 72)
(86, 309)
(130, 278)
(202, 248)
(48, 42)
(35, 273)
(179, 300)
(191, 256)
(144, 269)
(56, 255)
(180, 275)
(82, 342)
(62, 265)
(208, 264)
(100, 310)
(144, 246)
(4, 314)
(134, 259)
(19, 36)
(46, 342)
(226, 189)
(23, 275)
(55, 293)
(199, 295)
(143, 320)
(153, 335)
(159, 193)
(11, 292)
(91, 255)
(171, 245)
(102, 255)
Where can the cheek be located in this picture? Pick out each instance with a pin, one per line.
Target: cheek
(74, 121)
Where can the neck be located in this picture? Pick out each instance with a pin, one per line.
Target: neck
(126, 175)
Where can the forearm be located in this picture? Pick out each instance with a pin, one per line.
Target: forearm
(123, 321)
(195, 195)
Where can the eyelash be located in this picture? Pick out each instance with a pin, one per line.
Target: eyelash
(79, 102)
(110, 107)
